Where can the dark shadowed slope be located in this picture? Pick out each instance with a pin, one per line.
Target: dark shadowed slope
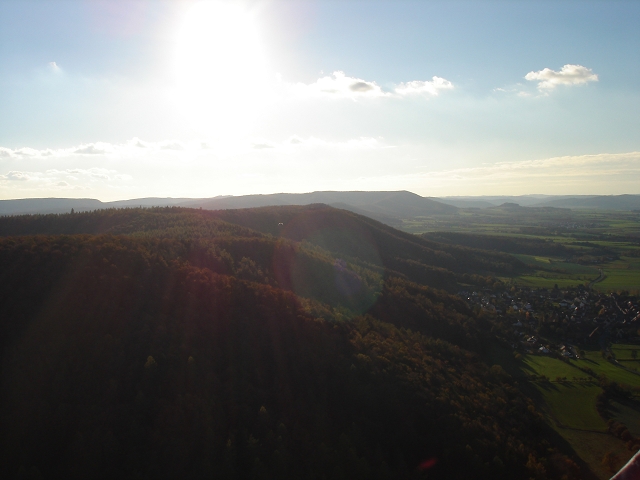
(343, 234)
(346, 233)
(156, 355)
(528, 246)
(168, 221)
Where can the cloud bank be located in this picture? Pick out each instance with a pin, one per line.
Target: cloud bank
(569, 75)
(339, 85)
(418, 87)
(137, 148)
(600, 174)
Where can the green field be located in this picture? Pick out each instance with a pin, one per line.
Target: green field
(595, 242)
(573, 405)
(550, 367)
(569, 406)
(593, 360)
(628, 413)
(623, 274)
(624, 352)
(608, 240)
(552, 271)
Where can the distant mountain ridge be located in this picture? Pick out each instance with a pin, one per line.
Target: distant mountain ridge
(604, 202)
(395, 204)
(387, 207)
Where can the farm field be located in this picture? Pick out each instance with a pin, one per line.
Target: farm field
(550, 367)
(625, 352)
(623, 274)
(609, 241)
(627, 412)
(601, 366)
(570, 405)
(573, 404)
(553, 271)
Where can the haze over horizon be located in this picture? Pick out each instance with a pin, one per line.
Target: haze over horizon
(116, 100)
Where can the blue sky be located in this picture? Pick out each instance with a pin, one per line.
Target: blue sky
(116, 99)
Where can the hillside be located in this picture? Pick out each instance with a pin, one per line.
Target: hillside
(173, 343)
(528, 246)
(356, 238)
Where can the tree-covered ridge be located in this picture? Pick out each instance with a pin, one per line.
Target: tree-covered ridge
(528, 246)
(241, 354)
(347, 233)
(342, 233)
(307, 272)
(158, 222)
(127, 357)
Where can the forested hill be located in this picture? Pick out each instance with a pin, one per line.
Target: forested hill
(174, 343)
(348, 235)
(528, 246)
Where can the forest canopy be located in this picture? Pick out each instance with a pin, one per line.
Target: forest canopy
(288, 342)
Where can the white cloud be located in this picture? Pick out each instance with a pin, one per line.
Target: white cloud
(569, 75)
(419, 87)
(98, 148)
(171, 145)
(168, 149)
(136, 142)
(28, 152)
(341, 86)
(133, 146)
(16, 176)
(54, 67)
(6, 153)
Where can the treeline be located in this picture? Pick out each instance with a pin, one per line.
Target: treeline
(358, 240)
(527, 246)
(158, 222)
(129, 357)
(347, 233)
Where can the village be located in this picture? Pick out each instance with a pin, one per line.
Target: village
(554, 321)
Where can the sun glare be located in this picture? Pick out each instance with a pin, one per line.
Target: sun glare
(220, 67)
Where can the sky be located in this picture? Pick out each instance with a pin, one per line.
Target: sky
(128, 99)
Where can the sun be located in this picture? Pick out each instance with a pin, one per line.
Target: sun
(220, 66)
